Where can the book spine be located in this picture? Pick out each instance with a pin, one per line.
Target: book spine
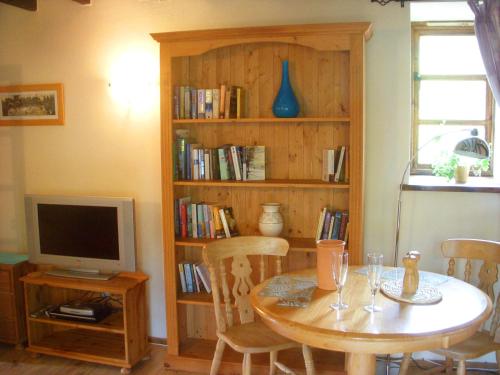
(201, 103)
(201, 161)
(189, 175)
(182, 278)
(184, 232)
(236, 163)
(194, 220)
(339, 164)
(194, 103)
(196, 164)
(197, 282)
(230, 163)
(177, 225)
(233, 102)
(211, 221)
(216, 103)
(224, 223)
(244, 164)
(189, 220)
(219, 229)
(239, 102)
(201, 229)
(326, 225)
(181, 103)
(336, 225)
(187, 102)
(189, 278)
(343, 224)
(321, 220)
(330, 227)
(177, 104)
(222, 101)
(215, 164)
(208, 103)
(206, 220)
(206, 158)
(204, 277)
(223, 167)
(227, 103)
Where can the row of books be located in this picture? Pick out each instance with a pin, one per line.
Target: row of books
(203, 220)
(196, 103)
(333, 225)
(194, 277)
(227, 162)
(335, 165)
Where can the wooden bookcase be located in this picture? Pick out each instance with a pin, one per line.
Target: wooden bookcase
(327, 74)
(120, 339)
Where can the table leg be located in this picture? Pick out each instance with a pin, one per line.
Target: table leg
(360, 363)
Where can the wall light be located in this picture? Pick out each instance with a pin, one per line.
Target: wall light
(134, 81)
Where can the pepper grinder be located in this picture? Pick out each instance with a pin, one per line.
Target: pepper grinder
(411, 279)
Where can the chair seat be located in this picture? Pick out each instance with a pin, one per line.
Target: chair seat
(479, 344)
(255, 338)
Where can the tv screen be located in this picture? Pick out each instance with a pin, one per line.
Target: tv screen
(92, 233)
(78, 231)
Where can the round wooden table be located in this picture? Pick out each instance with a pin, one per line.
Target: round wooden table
(399, 327)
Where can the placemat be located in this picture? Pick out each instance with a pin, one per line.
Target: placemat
(293, 291)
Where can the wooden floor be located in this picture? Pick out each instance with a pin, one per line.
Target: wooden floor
(20, 362)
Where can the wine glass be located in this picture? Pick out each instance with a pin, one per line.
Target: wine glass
(375, 267)
(339, 270)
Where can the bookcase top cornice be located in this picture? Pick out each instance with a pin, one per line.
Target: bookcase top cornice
(364, 28)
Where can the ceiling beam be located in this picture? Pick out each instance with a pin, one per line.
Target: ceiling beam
(24, 4)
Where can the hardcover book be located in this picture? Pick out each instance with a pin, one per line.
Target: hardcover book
(194, 103)
(255, 163)
(201, 103)
(182, 278)
(208, 103)
(216, 103)
(228, 222)
(222, 101)
(187, 102)
(204, 275)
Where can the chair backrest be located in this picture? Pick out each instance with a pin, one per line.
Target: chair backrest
(482, 250)
(237, 250)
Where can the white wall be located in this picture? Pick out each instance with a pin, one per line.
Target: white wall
(108, 149)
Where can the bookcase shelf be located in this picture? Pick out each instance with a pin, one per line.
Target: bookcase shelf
(326, 69)
(294, 120)
(296, 244)
(299, 184)
(112, 323)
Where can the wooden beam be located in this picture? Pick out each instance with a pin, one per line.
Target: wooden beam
(84, 2)
(24, 4)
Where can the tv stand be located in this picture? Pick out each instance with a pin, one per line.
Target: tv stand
(80, 274)
(120, 339)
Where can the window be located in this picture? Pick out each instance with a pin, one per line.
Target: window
(451, 94)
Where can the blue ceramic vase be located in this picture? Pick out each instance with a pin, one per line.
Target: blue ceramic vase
(285, 104)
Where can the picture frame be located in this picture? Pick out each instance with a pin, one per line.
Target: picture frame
(40, 104)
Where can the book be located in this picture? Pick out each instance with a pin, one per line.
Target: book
(189, 278)
(219, 228)
(204, 275)
(182, 278)
(326, 225)
(201, 163)
(181, 102)
(336, 225)
(343, 224)
(339, 164)
(183, 215)
(194, 103)
(222, 101)
(200, 220)
(328, 171)
(187, 102)
(228, 222)
(233, 102)
(208, 103)
(330, 228)
(236, 163)
(227, 102)
(207, 166)
(255, 163)
(321, 220)
(223, 164)
(177, 222)
(216, 103)
(197, 282)
(194, 220)
(201, 103)
(177, 104)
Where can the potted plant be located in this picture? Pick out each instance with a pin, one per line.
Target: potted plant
(450, 166)
(481, 165)
(445, 166)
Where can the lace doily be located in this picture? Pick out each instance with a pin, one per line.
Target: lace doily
(425, 295)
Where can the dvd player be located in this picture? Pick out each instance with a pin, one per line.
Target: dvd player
(87, 312)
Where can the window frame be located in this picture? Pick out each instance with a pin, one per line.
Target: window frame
(419, 29)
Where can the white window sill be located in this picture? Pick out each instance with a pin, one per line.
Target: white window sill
(433, 183)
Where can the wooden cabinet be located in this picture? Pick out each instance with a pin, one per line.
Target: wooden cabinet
(12, 324)
(326, 63)
(120, 339)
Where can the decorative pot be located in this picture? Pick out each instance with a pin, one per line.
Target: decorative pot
(324, 262)
(285, 104)
(461, 174)
(270, 221)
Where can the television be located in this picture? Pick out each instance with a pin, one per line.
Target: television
(87, 235)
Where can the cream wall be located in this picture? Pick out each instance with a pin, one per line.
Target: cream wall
(106, 148)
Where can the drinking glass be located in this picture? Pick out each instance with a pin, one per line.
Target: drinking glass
(375, 267)
(339, 269)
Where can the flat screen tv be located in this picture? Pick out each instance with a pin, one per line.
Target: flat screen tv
(83, 233)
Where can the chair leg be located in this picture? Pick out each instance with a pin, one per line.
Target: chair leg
(461, 367)
(273, 357)
(308, 360)
(219, 350)
(247, 364)
(498, 360)
(403, 368)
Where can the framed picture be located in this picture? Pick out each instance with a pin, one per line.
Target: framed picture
(32, 105)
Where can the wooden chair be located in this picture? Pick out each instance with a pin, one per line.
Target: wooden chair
(249, 336)
(483, 342)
